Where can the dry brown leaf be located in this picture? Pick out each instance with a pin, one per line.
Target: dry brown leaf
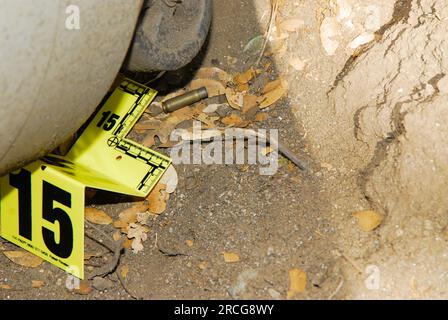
(84, 288)
(292, 25)
(214, 87)
(297, 282)
(213, 73)
(250, 105)
(23, 258)
(116, 236)
(90, 255)
(234, 121)
(5, 287)
(245, 77)
(127, 244)
(207, 120)
(231, 257)
(235, 99)
(368, 220)
(37, 283)
(170, 179)
(149, 140)
(279, 48)
(129, 215)
(138, 233)
(97, 216)
(272, 85)
(151, 124)
(169, 123)
(189, 243)
(272, 96)
(261, 117)
(203, 265)
(157, 199)
(124, 270)
(243, 87)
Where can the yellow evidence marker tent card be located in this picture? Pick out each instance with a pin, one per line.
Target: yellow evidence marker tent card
(42, 204)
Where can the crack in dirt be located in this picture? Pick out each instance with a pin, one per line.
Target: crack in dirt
(402, 9)
(382, 146)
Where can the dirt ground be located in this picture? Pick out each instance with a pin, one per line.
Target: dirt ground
(292, 219)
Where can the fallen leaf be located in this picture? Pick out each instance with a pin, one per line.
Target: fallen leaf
(143, 217)
(297, 282)
(127, 244)
(116, 236)
(37, 283)
(272, 85)
(292, 25)
(168, 124)
(368, 220)
(130, 215)
(207, 120)
(261, 117)
(97, 216)
(149, 140)
(214, 87)
(84, 288)
(279, 48)
(234, 120)
(270, 97)
(250, 104)
(203, 265)
(138, 233)
(213, 73)
(230, 257)
(5, 287)
(124, 270)
(23, 258)
(244, 87)
(245, 77)
(189, 243)
(254, 45)
(151, 124)
(89, 255)
(157, 199)
(235, 99)
(211, 108)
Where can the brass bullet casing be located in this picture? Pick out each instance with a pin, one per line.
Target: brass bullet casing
(184, 100)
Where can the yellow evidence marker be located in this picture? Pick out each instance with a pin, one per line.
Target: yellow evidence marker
(42, 204)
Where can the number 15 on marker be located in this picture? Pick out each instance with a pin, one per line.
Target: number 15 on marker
(42, 210)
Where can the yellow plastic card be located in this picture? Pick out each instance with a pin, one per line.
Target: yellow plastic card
(42, 205)
(42, 211)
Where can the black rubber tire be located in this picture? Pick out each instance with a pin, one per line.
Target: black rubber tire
(169, 35)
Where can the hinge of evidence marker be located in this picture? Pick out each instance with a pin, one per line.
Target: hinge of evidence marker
(42, 204)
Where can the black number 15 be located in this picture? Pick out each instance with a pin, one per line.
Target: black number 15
(50, 194)
(108, 120)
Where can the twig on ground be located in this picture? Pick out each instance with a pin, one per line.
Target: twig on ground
(272, 19)
(115, 248)
(353, 262)
(335, 292)
(244, 134)
(120, 278)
